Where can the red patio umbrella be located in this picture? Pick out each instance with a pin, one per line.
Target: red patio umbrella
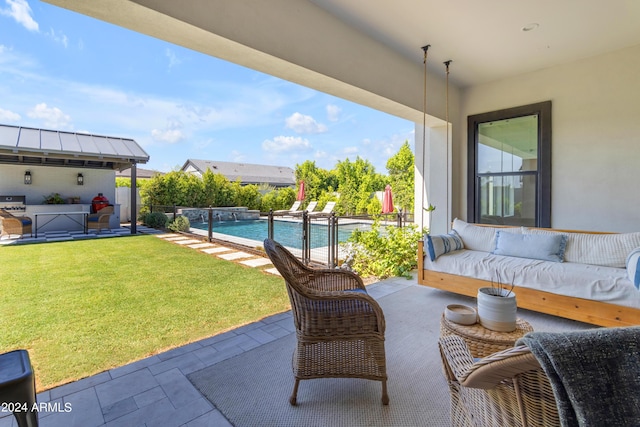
(387, 200)
(301, 191)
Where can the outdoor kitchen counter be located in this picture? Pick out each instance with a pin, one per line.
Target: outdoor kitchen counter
(66, 217)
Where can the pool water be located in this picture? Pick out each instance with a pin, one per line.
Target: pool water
(287, 233)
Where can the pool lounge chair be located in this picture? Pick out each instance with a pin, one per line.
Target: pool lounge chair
(292, 209)
(328, 208)
(311, 206)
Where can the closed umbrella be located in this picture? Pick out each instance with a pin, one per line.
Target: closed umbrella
(387, 200)
(301, 191)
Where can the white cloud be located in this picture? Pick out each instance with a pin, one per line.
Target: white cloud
(320, 154)
(301, 123)
(9, 116)
(173, 58)
(20, 11)
(286, 143)
(333, 112)
(237, 156)
(52, 116)
(169, 135)
(172, 132)
(58, 37)
(350, 150)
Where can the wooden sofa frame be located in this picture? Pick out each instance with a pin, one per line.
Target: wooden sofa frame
(580, 309)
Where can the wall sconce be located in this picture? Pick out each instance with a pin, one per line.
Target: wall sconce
(27, 178)
(80, 179)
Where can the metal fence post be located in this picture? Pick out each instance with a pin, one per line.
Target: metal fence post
(306, 247)
(333, 240)
(270, 224)
(210, 223)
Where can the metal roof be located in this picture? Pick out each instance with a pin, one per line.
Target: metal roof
(45, 147)
(247, 173)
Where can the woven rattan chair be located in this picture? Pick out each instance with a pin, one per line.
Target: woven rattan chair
(339, 327)
(507, 388)
(10, 224)
(100, 220)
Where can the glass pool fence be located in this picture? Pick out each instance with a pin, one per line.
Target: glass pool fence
(313, 238)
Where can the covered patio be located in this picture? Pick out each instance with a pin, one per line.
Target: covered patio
(56, 175)
(160, 390)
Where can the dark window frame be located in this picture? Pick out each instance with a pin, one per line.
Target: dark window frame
(543, 184)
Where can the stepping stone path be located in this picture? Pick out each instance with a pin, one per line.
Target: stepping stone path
(221, 251)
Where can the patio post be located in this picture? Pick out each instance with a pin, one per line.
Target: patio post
(134, 199)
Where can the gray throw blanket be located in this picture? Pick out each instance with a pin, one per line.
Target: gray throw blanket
(595, 374)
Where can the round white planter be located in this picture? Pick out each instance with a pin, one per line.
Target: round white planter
(497, 309)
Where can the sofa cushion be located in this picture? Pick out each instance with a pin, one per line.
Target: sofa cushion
(443, 244)
(544, 247)
(608, 250)
(633, 267)
(478, 238)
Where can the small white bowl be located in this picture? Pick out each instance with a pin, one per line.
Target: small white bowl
(461, 314)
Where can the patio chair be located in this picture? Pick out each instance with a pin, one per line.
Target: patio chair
(100, 220)
(506, 388)
(14, 224)
(311, 206)
(339, 327)
(294, 208)
(328, 208)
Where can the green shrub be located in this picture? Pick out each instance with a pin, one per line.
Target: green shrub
(383, 253)
(155, 219)
(181, 223)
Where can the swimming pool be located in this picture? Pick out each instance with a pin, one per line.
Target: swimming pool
(287, 233)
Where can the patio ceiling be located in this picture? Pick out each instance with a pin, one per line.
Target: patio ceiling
(42, 147)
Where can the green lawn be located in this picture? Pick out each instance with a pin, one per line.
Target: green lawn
(83, 307)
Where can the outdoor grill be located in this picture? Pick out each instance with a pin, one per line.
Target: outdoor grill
(13, 204)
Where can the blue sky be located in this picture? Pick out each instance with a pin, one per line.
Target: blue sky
(62, 70)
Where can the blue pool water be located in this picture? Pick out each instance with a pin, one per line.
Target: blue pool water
(286, 233)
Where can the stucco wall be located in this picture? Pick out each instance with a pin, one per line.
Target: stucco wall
(595, 138)
(47, 180)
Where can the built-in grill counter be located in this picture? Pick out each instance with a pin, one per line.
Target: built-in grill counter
(59, 217)
(54, 217)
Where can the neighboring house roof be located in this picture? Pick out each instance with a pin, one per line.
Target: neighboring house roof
(43, 147)
(247, 173)
(140, 173)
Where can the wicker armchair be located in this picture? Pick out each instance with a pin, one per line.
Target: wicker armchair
(507, 388)
(339, 327)
(14, 224)
(100, 220)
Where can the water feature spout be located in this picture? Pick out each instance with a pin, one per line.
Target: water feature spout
(234, 216)
(203, 219)
(218, 216)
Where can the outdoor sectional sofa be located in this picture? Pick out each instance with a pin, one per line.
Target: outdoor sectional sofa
(591, 277)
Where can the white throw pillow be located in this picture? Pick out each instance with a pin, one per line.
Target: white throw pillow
(534, 246)
(608, 250)
(479, 238)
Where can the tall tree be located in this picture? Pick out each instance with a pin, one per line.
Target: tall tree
(402, 177)
(316, 180)
(356, 183)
